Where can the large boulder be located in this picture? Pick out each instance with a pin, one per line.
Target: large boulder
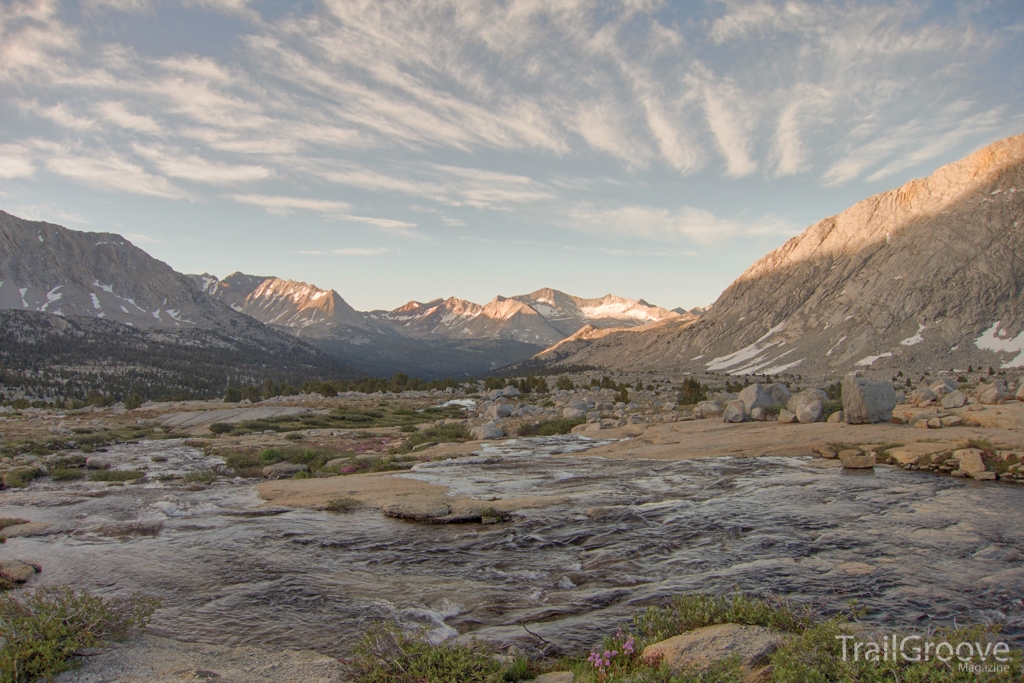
(944, 386)
(970, 461)
(755, 396)
(923, 396)
(487, 432)
(706, 409)
(700, 648)
(991, 394)
(805, 396)
(786, 417)
(573, 413)
(780, 393)
(499, 410)
(806, 413)
(735, 411)
(866, 401)
(1020, 392)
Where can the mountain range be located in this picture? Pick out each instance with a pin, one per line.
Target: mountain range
(443, 337)
(928, 276)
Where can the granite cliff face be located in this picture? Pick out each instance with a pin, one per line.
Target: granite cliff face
(928, 275)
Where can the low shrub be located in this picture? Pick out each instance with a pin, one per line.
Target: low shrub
(450, 433)
(829, 407)
(42, 630)
(343, 504)
(116, 475)
(549, 427)
(221, 428)
(200, 477)
(66, 473)
(21, 477)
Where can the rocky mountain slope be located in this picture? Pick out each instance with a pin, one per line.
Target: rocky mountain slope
(928, 275)
(77, 277)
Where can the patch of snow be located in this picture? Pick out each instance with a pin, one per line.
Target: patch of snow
(132, 302)
(51, 296)
(109, 289)
(546, 311)
(23, 302)
(954, 347)
(172, 313)
(95, 302)
(775, 370)
(41, 239)
(760, 363)
(870, 360)
(992, 340)
(745, 354)
(916, 339)
(156, 314)
(829, 353)
(698, 357)
(124, 309)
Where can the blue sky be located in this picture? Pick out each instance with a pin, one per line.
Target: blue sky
(420, 149)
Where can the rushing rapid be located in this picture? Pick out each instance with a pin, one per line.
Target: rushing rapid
(917, 550)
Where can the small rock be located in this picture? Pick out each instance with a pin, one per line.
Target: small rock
(952, 421)
(985, 476)
(786, 416)
(836, 417)
(283, 469)
(934, 423)
(28, 529)
(94, 462)
(954, 399)
(17, 571)
(897, 420)
(856, 460)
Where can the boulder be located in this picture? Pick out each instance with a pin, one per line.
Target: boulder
(17, 571)
(28, 529)
(806, 413)
(706, 409)
(923, 397)
(934, 423)
(1020, 392)
(284, 469)
(944, 386)
(913, 453)
(805, 396)
(701, 647)
(836, 417)
(486, 432)
(786, 416)
(573, 413)
(991, 394)
(735, 411)
(780, 393)
(499, 410)
(952, 421)
(760, 414)
(954, 399)
(510, 392)
(985, 476)
(970, 461)
(95, 462)
(755, 396)
(866, 401)
(853, 459)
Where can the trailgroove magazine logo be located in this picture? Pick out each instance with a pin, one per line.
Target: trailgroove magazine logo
(974, 657)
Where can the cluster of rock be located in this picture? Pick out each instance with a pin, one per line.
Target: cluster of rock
(962, 461)
(599, 408)
(864, 401)
(949, 395)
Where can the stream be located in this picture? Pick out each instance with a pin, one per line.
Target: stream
(916, 549)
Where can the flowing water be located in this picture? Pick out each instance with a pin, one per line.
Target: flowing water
(917, 550)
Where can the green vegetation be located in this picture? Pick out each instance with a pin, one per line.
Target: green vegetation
(250, 464)
(20, 477)
(42, 630)
(387, 655)
(811, 653)
(565, 384)
(550, 427)
(66, 473)
(116, 475)
(200, 477)
(344, 504)
(11, 521)
(344, 417)
(692, 392)
(450, 433)
(831, 406)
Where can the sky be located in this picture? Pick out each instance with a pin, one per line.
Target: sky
(416, 149)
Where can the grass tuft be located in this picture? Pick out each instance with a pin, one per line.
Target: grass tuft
(116, 475)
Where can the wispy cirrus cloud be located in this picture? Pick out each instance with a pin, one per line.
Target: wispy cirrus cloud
(348, 251)
(683, 223)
